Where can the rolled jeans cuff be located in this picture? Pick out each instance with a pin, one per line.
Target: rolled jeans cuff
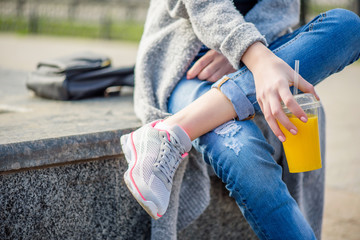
(243, 107)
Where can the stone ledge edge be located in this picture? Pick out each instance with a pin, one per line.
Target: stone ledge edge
(50, 151)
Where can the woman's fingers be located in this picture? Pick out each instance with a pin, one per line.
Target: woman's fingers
(270, 119)
(209, 70)
(223, 70)
(211, 67)
(272, 82)
(290, 102)
(200, 65)
(270, 103)
(275, 115)
(217, 75)
(307, 87)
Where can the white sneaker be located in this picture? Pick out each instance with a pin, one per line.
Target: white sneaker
(153, 156)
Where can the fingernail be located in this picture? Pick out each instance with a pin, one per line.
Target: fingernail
(304, 119)
(293, 131)
(281, 138)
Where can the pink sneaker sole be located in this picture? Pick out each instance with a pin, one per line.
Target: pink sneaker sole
(131, 157)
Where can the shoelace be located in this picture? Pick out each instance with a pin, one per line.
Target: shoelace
(169, 162)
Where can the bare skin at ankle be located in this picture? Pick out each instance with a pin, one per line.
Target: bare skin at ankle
(204, 114)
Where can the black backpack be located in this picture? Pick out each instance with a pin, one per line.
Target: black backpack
(78, 76)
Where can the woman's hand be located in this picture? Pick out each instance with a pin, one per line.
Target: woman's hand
(210, 67)
(272, 78)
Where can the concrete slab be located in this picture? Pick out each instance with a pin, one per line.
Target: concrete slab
(26, 117)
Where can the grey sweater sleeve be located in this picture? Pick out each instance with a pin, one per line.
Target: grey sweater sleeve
(218, 25)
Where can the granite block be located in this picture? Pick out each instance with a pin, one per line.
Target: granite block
(87, 200)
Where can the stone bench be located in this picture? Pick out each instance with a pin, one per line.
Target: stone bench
(61, 172)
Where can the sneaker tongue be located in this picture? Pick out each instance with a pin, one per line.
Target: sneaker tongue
(183, 137)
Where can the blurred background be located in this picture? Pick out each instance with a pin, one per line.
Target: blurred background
(32, 30)
(106, 19)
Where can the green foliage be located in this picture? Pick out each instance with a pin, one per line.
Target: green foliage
(127, 31)
(315, 9)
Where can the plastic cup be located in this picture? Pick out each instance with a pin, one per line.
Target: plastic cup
(303, 149)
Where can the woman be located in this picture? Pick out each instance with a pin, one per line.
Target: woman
(176, 35)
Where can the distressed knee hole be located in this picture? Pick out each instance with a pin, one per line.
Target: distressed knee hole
(229, 130)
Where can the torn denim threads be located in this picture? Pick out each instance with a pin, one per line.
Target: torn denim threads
(228, 130)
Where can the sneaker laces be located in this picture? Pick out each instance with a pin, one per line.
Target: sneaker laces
(169, 161)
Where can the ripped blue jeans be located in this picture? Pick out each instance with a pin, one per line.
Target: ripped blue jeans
(238, 151)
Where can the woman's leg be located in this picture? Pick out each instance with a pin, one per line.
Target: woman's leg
(324, 46)
(241, 157)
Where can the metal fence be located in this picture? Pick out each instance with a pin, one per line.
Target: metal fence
(111, 19)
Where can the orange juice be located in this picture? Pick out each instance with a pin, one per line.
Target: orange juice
(303, 149)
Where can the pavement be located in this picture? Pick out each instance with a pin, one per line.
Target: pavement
(338, 95)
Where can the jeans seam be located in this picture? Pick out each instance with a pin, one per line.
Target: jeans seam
(322, 16)
(218, 88)
(240, 73)
(222, 82)
(243, 203)
(311, 27)
(288, 43)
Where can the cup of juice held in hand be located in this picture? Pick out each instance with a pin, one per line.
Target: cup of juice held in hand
(303, 149)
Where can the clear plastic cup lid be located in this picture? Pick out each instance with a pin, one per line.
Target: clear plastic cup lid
(305, 100)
